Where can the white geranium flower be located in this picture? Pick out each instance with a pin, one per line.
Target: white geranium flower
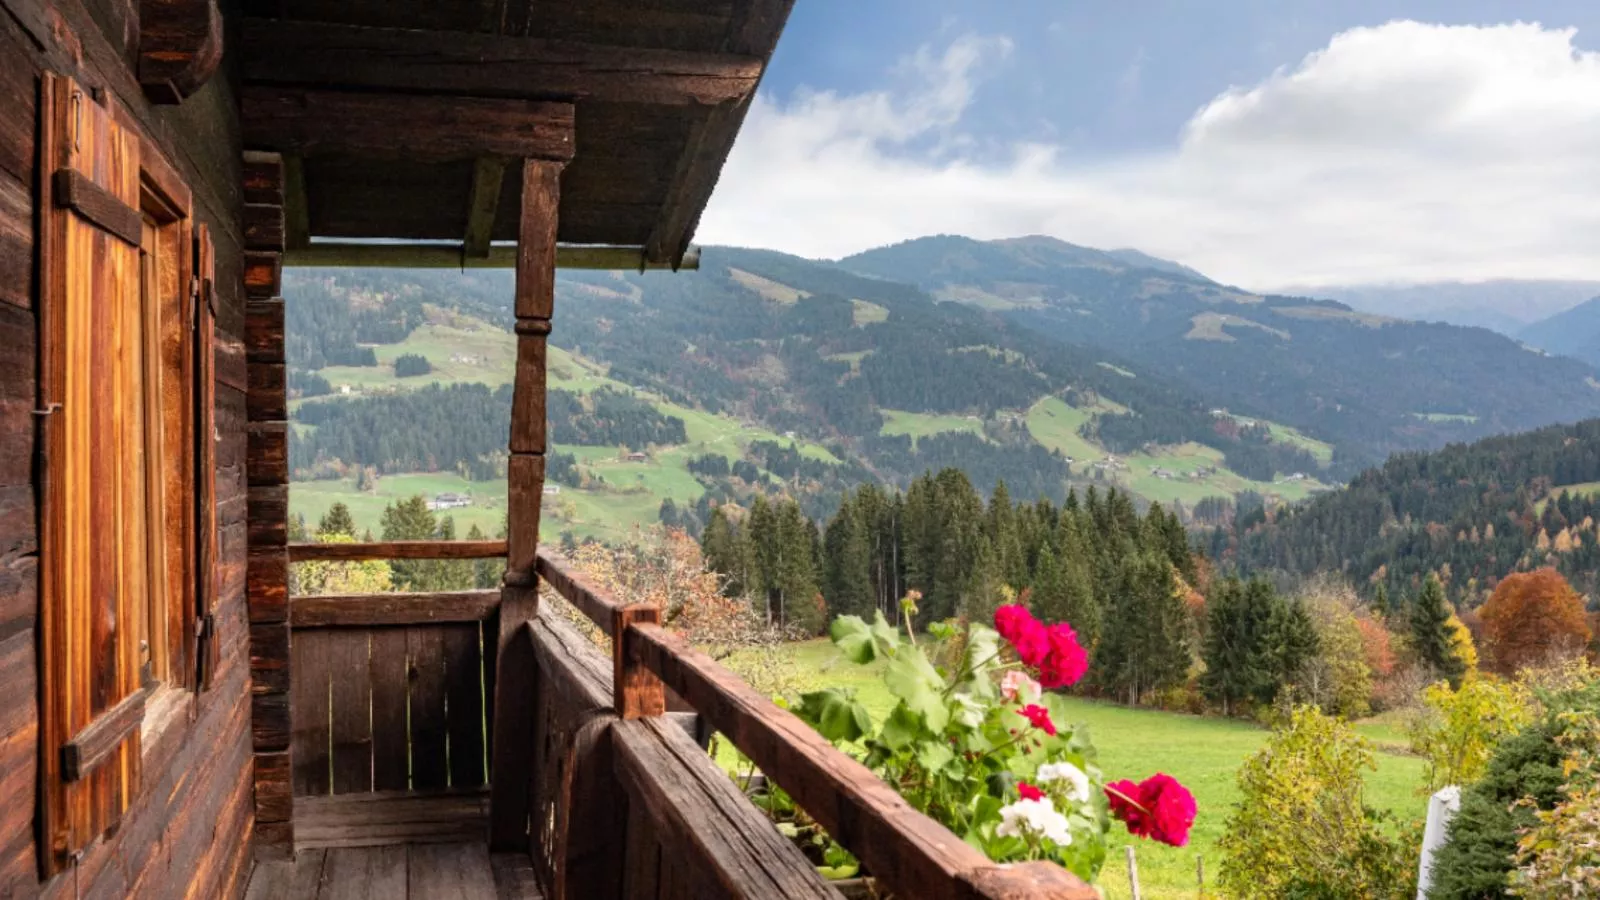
(1017, 687)
(1077, 780)
(1035, 817)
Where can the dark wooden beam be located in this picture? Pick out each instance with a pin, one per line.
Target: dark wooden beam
(489, 65)
(296, 215)
(752, 30)
(447, 256)
(180, 47)
(487, 173)
(431, 128)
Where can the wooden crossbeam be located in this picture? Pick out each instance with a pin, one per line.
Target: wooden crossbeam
(432, 128)
(489, 65)
(452, 256)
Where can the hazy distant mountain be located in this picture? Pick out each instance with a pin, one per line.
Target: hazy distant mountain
(1369, 384)
(1575, 332)
(1506, 306)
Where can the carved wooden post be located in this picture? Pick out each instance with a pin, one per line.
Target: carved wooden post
(512, 757)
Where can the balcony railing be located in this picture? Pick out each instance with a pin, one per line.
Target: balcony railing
(607, 793)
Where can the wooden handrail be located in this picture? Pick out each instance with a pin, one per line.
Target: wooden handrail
(907, 851)
(401, 608)
(314, 552)
(594, 601)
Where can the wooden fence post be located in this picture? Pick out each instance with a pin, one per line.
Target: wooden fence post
(1133, 874)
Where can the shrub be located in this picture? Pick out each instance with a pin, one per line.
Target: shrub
(1458, 730)
(1477, 859)
(1560, 856)
(411, 364)
(1302, 828)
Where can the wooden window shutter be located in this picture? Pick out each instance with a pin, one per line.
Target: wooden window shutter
(93, 570)
(208, 653)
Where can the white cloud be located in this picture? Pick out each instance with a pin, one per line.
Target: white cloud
(1404, 152)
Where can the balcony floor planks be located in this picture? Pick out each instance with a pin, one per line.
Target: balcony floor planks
(453, 871)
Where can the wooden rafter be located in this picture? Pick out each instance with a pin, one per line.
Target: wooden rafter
(754, 28)
(180, 47)
(484, 202)
(433, 127)
(490, 65)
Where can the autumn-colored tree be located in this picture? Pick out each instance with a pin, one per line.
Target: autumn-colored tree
(1533, 617)
(1379, 646)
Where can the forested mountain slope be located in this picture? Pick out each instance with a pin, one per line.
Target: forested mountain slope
(1473, 513)
(1367, 384)
(1574, 333)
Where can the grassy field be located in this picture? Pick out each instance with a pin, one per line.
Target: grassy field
(920, 425)
(1203, 753)
(1055, 424)
(1445, 417)
(1182, 459)
(865, 312)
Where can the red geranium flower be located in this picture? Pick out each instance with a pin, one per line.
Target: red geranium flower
(1158, 808)
(1066, 662)
(1039, 716)
(1018, 626)
(1028, 792)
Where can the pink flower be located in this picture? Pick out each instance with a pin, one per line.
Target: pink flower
(1015, 686)
(1028, 792)
(1023, 631)
(1158, 808)
(1066, 660)
(1039, 717)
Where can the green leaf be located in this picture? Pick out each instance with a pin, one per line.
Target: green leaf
(835, 714)
(911, 678)
(851, 635)
(934, 755)
(887, 636)
(901, 729)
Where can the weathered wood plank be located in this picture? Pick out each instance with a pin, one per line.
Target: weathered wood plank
(95, 743)
(514, 878)
(263, 274)
(365, 820)
(266, 394)
(269, 658)
(268, 512)
(429, 729)
(463, 661)
(391, 738)
(296, 214)
(78, 192)
(728, 849)
(365, 873)
(263, 331)
(352, 712)
(274, 787)
(261, 177)
(308, 122)
(282, 880)
(180, 47)
(396, 550)
(524, 498)
(267, 453)
(537, 226)
(488, 65)
(267, 584)
(263, 228)
(366, 610)
(592, 813)
(309, 660)
(452, 872)
(577, 589)
(512, 728)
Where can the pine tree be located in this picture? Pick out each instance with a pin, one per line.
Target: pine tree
(337, 520)
(847, 569)
(486, 573)
(1294, 643)
(450, 574)
(1006, 537)
(1237, 649)
(410, 520)
(726, 554)
(1145, 644)
(1431, 633)
(1081, 608)
(1050, 588)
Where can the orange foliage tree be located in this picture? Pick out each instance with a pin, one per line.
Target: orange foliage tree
(1378, 646)
(1534, 617)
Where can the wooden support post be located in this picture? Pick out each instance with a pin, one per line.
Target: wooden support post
(638, 691)
(267, 473)
(511, 759)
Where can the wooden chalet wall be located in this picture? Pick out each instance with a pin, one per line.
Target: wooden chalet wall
(189, 829)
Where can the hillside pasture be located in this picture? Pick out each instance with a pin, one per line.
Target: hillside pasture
(1055, 425)
(921, 425)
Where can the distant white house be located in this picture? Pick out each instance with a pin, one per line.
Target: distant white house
(552, 489)
(449, 501)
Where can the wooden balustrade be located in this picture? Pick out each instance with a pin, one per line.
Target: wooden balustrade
(310, 552)
(907, 852)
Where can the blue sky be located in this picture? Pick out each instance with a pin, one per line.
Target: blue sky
(1102, 122)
